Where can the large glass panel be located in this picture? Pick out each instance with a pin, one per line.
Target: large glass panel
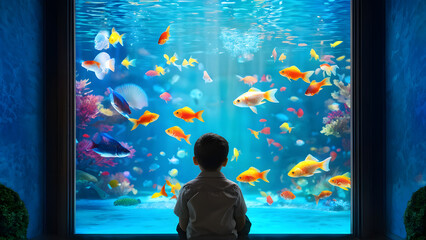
(141, 61)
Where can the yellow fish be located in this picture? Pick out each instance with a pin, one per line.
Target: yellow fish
(309, 167)
(113, 184)
(128, 63)
(314, 54)
(255, 133)
(174, 187)
(282, 57)
(252, 175)
(340, 58)
(286, 127)
(171, 60)
(185, 63)
(115, 37)
(161, 193)
(336, 43)
(160, 70)
(236, 154)
(255, 97)
(191, 61)
(342, 181)
(104, 111)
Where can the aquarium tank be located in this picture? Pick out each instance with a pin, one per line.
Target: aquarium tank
(272, 77)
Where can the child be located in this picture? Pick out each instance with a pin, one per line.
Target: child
(211, 206)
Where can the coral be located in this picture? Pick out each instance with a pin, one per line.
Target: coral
(126, 202)
(334, 115)
(337, 127)
(14, 216)
(344, 93)
(86, 104)
(105, 128)
(415, 216)
(130, 148)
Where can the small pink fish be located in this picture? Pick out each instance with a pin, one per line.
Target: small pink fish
(166, 96)
(274, 54)
(278, 145)
(327, 58)
(152, 73)
(263, 79)
(262, 120)
(266, 130)
(300, 112)
(282, 89)
(291, 110)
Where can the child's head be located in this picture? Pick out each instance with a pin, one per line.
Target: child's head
(211, 151)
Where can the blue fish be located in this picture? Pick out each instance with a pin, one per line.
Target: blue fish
(119, 103)
(107, 146)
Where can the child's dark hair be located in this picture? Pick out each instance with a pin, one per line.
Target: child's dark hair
(211, 150)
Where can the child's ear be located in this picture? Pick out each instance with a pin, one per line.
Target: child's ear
(225, 162)
(195, 161)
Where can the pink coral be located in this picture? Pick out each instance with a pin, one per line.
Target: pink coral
(86, 104)
(332, 116)
(130, 148)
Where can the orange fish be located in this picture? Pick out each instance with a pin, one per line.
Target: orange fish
(173, 197)
(269, 200)
(147, 118)
(249, 80)
(293, 73)
(329, 69)
(164, 36)
(287, 195)
(342, 181)
(323, 194)
(309, 167)
(255, 133)
(252, 175)
(178, 133)
(315, 87)
(188, 114)
(161, 193)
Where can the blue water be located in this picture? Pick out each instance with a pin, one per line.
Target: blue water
(227, 39)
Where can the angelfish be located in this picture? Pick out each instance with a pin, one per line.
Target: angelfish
(119, 103)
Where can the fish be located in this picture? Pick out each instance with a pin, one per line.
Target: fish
(300, 142)
(119, 103)
(149, 155)
(206, 77)
(104, 173)
(272, 85)
(102, 40)
(287, 195)
(282, 57)
(263, 120)
(309, 167)
(323, 194)
(134, 95)
(146, 118)
(115, 38)
(106, 146)
(341, 181)
(236, 155)
(300, 113)
(274, 54)
(252, 175)
(340, 58)
(329, 69)
(269, 200)
(161, 193)
(270, 141)
(174, 186)
(164, 37)
(282, 89)
(173, 160)
(293, 73)
(86, 135)
(152, 73)
(162, 153)
(178, 133)
(327, 58)
(181, 153)
(188, 114)
(314, 55)
(255, 97)
(266, 130)
(255, 133)
(249, 80)
(317, 71)
(291, 109)
(315, 87)
(166, 96)
(335, 44)
(278, 145)
(173, 197)
(128, 63)
(296, 185)
(185, 63)
(113, 184)
(138, 170)
(333, 155)
(191, 61)
(173, 172)
(286, 126)
(153, 167)
(171, 60)
(160, 70)
(100, 65)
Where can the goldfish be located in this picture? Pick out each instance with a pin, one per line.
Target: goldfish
(173, 172)
(329, 69)
(314, 54)
(255, 133)
(100, 65)
(340, 58)
(266, 130)
(236, 155)
(152, 73)
(282, 57)
(174, 187)
(286, 126)
(255, 97)
(323, 194)
(335, 44)
(207, 78)
(249, 80)
(185, 63)
(315, 87)
(147, 118)
(92, 65)
(115, 37)
(138, 170)
(287, 195)
(160, 70)
(274, 54)
(178, 133)
(252, 175)
(166, 96)
(309, 167)
(191, 61)
(128, 63)
(293, 73)
(268, 197)
(341, 181)
(113, 184)
(161, 193)
(164, 36)
(188, 114)
(170, 60)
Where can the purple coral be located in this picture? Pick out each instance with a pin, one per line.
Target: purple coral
(332, 116)
(130, 148)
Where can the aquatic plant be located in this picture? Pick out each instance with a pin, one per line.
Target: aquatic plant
(337, 127)
(86, 103)
(415, 216)
(126, 202)
(344, 93)
(14, 216)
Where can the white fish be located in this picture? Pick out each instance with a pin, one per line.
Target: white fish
(255, 97)
(102, 40)
(105, 64)
(173, 160)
